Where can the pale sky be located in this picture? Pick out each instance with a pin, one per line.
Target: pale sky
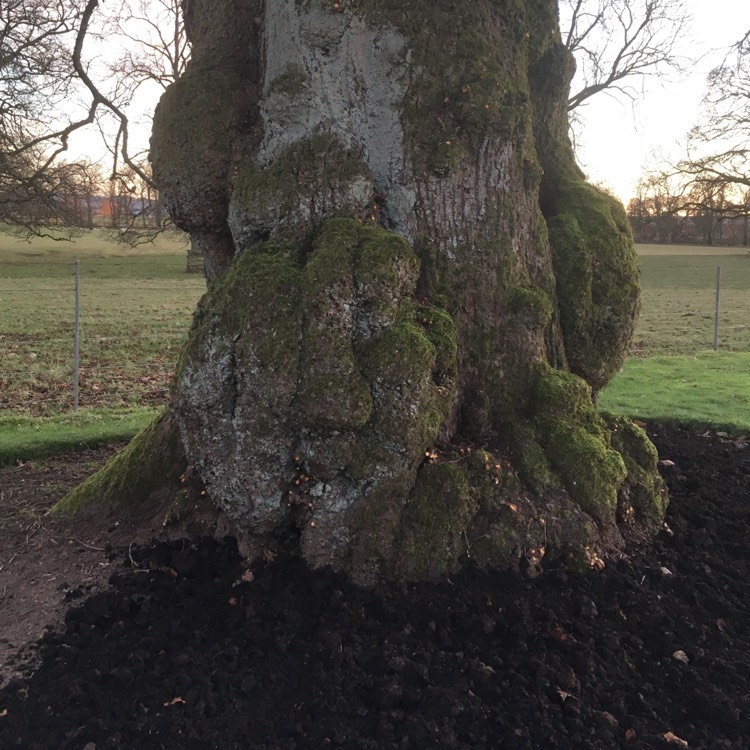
(618, 139)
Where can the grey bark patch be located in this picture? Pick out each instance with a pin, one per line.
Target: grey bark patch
(279, 405)
(352, 79)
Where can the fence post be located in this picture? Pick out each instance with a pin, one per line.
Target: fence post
(77, 337)
(716, 312)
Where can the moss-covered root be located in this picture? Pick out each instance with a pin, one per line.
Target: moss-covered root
(471, 506)
(593, 480)
(151, 462)
(606, 464)
(643, 496)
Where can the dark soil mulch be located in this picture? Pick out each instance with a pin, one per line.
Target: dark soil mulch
(653, 652)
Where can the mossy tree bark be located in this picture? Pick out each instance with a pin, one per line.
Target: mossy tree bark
(414, 296)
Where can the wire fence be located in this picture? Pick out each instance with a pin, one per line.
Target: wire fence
(693, 303)
(131, 330)
(117, 347)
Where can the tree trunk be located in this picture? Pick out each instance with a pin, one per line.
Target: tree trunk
(158, 213)
(414, 296)
(194, 257)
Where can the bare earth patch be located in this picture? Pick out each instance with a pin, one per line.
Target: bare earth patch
(178, 645)
(45, 560)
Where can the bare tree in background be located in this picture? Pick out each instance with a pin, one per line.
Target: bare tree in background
(656, 212)
(156, 52)
(720, 144)
(616, 43)
(86, 186)
(708, 203)
(157, 47)
(47, 93)
(36, 39)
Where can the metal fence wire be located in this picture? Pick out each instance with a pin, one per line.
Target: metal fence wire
(71, 339)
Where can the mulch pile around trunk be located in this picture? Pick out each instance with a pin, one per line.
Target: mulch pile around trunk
(653, 652)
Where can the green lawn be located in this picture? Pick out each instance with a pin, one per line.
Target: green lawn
(673, 375)
(711, 389)
(24, 438)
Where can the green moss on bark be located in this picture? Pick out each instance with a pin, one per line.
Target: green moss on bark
(320, 155)
(402, 354)
(434, 521)
(189, 143)
(531, 457)
(643, 496)
(292, 82)
(606, 464)
(385, 267)
(597, 280)
(152, 461)
(269, 320)
(309, 182)
(591, 471)
(440, 329)
(532, 305)
(463, 88)
(576, 442)
(333, 394)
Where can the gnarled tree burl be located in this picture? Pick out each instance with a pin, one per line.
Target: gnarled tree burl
(414, 296)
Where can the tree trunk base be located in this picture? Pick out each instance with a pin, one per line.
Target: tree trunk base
(146, 471)
(491, 506)
(413, 293)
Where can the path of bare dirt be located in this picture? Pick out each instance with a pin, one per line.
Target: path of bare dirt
(45, 561)
(186, 648)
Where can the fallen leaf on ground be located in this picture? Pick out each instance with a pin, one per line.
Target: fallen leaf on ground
(721, 625)
(175, 701)
(680, 656)
(4, 712)
(559, 634)
(674, 739)
(246, 577)
(565, 695)
(629, 735)
(666, 462)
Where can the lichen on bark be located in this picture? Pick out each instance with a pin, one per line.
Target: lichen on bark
(413, 293)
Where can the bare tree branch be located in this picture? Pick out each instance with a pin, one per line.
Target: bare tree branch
(161, 47)
(719, 146)
(618, 42)
(43, 70)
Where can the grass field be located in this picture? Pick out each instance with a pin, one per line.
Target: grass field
(686, 250)
(678, 295)
(89, 242)
(136, 306)
(710, 389)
